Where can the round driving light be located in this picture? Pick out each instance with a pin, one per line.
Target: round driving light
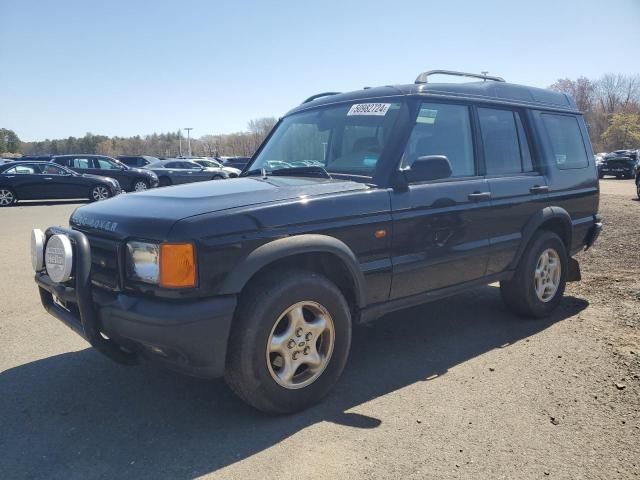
(58, 258)
(37, 249)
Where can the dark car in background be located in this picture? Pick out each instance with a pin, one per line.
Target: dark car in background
(175, 171)
(235, 162)
(619, 164)
(131, 179)
(45, 180)
(137, 161)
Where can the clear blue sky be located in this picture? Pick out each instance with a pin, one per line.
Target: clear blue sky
(134, 67)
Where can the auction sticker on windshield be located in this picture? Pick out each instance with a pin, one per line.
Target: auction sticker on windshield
(369, 109)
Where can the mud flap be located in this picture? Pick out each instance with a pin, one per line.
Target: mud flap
(573, 273)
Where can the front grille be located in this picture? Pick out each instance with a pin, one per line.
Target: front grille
(624, 163)
(105, 262)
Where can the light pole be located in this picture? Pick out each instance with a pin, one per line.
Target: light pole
(188, 129)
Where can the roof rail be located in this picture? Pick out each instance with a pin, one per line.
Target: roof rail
(423, 77)
(318, 95)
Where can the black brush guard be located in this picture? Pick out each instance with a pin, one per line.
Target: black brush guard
(80, 314)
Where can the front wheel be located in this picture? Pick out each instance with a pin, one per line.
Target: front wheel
(540, 279)
(99, 193)
(7, 197)
(638, 188)
(290, 341)
(140, 185)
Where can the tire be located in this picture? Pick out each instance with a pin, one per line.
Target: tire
(7, 197)
(99, 192)
(165, 182)
(139, 185)
(519, 293)
(638, 188)
(217, 177)
(256, 373)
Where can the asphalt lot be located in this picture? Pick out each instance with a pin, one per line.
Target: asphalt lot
(460, 388)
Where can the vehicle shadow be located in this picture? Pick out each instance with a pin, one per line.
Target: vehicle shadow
(77, 415)
(48, 203)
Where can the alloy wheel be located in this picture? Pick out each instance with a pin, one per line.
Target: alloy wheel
(300, 345)
(547, 275)
(100, 193)
(6, 197)
(139, 186)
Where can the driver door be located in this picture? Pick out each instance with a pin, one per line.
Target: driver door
(440, 238)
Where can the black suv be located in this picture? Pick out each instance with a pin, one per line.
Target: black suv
(356, 205)
(131, 179)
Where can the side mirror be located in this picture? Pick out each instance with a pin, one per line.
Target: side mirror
(431, 167)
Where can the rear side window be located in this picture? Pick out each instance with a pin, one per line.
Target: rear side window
(566, 140)
(80, 163)
(442, 129)
(506, 149)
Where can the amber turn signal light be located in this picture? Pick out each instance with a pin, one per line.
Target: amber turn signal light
(177, 265)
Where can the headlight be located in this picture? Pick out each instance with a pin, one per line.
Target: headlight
(170, 265)
(143, 262)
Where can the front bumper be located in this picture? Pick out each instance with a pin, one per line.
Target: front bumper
(615, 171)
(188, 336)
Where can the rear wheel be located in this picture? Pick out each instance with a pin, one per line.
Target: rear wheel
(638, 187)
(99, 192)
(539, 282)
(290, 341)
(140, 185)
(7, 197)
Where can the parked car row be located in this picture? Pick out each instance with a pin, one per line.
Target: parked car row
(97, 177)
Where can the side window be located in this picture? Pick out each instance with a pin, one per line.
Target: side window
(506, 149)
(170, 165)
(52, 170)
(566, 140)
(443, 129)
(104, 164)
(21, 170)
(80, 163)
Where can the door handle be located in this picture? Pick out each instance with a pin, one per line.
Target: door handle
(539, 189)
(48, 178)
(477, 196)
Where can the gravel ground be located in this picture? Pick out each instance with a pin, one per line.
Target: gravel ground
(459, 388)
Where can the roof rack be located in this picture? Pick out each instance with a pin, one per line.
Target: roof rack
(423, 77)
(318, 95)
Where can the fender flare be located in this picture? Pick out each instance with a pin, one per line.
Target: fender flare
(534, 224)
(295, 245)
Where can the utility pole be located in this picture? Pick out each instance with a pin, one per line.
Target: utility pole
(484, 72)
(180, 140)
(188, 129)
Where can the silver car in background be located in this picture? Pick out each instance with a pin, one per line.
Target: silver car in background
(176, 171)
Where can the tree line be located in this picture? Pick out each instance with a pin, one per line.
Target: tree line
(157, 144)
(611, 106)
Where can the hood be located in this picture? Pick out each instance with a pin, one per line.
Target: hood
(152, 213)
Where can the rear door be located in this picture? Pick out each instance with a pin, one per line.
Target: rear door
(439, 226)
(25, 181)
(518, 188)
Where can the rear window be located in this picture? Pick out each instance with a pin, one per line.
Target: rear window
(566, 140)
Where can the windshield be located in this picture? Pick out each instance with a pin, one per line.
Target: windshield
(345, 139)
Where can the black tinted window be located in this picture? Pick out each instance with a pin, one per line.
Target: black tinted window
(566, 140)
(442, 129)
(505, 144)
